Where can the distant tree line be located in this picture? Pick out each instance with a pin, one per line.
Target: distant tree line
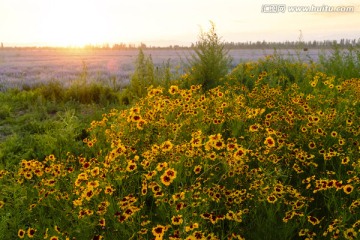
(342, 43)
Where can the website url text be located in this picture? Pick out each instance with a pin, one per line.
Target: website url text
(282, 8)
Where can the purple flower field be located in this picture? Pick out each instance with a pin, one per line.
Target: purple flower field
(27, 67)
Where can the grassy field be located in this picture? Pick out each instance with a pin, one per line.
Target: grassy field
(271, 152)
(29, 67)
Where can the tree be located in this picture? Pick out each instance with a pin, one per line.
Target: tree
(210, 62)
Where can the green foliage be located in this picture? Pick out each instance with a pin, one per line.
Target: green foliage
(52, 91)
(144, 76)
(92, 93)
(163, 75)
(210, 62)
(48, 119)
(273, 70)
(34, 136)
(344, 63)
(271, 153)
(82, 90)
(79, 91)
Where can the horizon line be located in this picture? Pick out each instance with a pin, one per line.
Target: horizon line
(143, 44)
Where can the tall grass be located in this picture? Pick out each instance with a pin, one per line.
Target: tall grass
(343, 63)
(46, 118)
(145, 76)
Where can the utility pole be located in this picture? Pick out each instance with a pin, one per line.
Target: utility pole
(300, 36)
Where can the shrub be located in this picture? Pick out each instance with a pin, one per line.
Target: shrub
(344, 63)
(210, 62)
(53, 91)
(146, 75)
(142, 77)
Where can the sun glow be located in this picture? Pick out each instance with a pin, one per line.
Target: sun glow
(162, 22)
(73, 24)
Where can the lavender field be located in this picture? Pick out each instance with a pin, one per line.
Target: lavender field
(26, 67)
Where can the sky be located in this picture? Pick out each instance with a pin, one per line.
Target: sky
(170, 22)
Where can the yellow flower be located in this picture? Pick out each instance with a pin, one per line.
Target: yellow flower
(77, 202)
(135, 110)
(21, 233)
(95, 171)
(82, 176)
(28, 175)
(313, 220)
(78, 182)
(88, 194)
(131, 166)
(348, 188)
(168, 176)
(191, 237)
(57, 229)
(173, 89)
(90, 144)
(350, 233)
(212, 156)
(177, 220)
(254, 128)
(191, 227)
(159, 231)
(134, 118)
(52, 157)
(271, 198)
(269, 142)
(102, 222)
(46, 233)
(140, 124)
(166, 146)
(239, 153)
(171, 173)
(109, 190)
(312, 145)
(161, 166)
(197, 169)
(196, 142)
(178, 196)
(345, 160)
(93, 184)
(31, 232)
(334, 134)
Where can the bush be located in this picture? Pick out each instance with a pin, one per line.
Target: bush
(142, 77)
(273, 70)
(344, 63)
(53, 91)
(210, 62)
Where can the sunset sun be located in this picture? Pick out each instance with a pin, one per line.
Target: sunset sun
(74, 24)
(163, 23)
(79, 23)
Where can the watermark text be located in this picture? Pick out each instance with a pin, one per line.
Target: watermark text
(282, 8)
